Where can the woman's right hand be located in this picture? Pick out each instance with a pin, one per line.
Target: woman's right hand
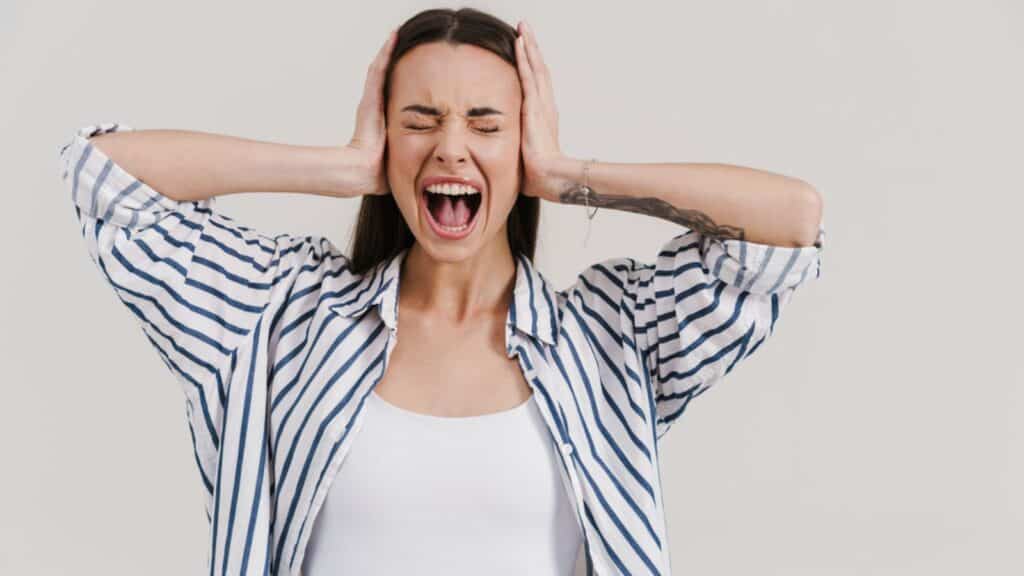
(366, 149)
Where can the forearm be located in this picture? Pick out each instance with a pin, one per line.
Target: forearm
(190, 165)
(720, 200)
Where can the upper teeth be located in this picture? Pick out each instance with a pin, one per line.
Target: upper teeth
(452, 189)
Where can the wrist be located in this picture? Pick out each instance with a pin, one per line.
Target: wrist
(565, 174)
(351, 171)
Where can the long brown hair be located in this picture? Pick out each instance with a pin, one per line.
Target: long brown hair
(381, 231)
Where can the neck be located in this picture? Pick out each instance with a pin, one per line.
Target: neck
(461, 291)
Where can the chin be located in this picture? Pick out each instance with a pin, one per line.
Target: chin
(448, 254)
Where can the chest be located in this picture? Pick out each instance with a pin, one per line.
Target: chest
(453, 371)
(607, 472)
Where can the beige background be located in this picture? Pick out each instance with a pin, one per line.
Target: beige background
(878, 432)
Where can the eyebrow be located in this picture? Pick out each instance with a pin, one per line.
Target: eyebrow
(431, 111)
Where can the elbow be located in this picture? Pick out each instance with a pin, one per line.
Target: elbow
(811, 206)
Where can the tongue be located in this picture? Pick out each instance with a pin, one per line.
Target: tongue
(451, 212)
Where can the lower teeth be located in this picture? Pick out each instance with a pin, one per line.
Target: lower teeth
(452, 229)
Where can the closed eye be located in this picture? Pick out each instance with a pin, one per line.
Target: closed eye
(489, 129)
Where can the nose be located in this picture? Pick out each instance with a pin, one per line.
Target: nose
(451, 149)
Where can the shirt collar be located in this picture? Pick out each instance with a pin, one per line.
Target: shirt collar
(533, 310)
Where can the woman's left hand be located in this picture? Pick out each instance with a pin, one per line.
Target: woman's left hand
(541, 154)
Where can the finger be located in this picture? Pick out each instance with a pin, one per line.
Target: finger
(378, 67)
(525, 73)
(540, 68)
(385, 50)
(370, 116)
(541, 79)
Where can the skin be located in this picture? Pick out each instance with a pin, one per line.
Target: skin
(455, 291)
(462, 280)
(460, 291)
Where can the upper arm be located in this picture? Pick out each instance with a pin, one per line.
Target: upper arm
(703, 305)
(708, 303)
(196, 280)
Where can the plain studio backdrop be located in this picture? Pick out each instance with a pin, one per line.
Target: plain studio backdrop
(878, 431)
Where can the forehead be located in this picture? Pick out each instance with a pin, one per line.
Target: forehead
(454, 76)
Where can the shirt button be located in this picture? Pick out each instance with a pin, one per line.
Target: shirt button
(567, 449)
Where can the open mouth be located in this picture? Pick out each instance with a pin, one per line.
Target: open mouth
(451, 209)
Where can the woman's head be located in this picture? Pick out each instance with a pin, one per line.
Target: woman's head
(452, 101)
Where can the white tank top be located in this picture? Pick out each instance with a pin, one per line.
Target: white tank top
(424, 494)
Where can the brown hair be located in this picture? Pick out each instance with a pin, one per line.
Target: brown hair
(381, 231)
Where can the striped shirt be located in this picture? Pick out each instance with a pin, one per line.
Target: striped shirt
(276, 344)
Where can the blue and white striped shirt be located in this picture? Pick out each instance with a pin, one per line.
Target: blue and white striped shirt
(270, 340)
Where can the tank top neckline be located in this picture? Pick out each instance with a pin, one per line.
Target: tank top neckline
(507, 413)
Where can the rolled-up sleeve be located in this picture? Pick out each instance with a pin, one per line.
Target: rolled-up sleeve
(195, 279)
(103, 190)
(703, 305)
(707, 304)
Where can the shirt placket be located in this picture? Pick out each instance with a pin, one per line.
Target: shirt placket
(356, 423)
(566, 449)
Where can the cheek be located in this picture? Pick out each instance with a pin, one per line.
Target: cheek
(403, 163)
(507, 157)
(506, 180)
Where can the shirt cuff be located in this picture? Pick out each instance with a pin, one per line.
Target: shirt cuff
(105, 191)
(762, 268)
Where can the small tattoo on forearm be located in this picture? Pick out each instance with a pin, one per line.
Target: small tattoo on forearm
(692, 219)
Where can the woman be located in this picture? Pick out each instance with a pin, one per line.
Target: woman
(512, 422)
